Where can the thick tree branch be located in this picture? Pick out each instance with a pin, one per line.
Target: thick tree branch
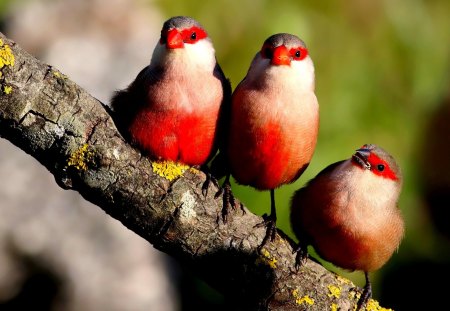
(73, 136)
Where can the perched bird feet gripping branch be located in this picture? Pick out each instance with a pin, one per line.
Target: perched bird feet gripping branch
(366, 294)
(301, 255)
(210, 179)
(270, 222)
(228, 199)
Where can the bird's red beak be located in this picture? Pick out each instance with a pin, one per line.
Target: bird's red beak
(281, 56)
(174, 39)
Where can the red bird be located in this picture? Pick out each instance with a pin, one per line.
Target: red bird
(171, 110)
(349, 213)
(274, 119)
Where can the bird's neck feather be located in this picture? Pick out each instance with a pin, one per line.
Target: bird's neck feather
(193, 57)
(298, 75)
(365, 186)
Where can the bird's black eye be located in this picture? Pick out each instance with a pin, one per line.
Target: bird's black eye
(193, 36)
(380, 167)
(297, 54)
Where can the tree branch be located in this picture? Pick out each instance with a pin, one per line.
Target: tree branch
(72, 135)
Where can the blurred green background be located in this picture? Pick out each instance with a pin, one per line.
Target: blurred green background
(382, 76)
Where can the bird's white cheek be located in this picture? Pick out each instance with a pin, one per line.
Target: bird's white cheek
(299, 75)
(304, 71)
(201, 54)
(198, 55)
(373, 190)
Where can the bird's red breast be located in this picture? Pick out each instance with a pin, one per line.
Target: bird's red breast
(176, 135)
(179, 118)
(272, 139)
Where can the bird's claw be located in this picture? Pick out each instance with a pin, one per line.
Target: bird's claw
(270, 223)
(209, 179)
(228, 200)
(365, 296)
(301, 255)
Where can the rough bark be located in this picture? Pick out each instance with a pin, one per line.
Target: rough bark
(71, 133)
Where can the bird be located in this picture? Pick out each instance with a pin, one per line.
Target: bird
(172, 110)
(349, 213)
(274, 120)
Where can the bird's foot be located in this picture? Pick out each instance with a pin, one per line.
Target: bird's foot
(270, 223)
(210, 179)
(366, 294)
(228, 200)
(301, 255)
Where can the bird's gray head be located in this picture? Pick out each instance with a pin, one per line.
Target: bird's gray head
(180, 22)
(286, 39)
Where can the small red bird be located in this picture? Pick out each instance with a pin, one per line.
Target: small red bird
(274, 119)
(349, 213)
(171, 111)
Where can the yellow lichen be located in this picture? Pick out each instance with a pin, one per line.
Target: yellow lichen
(354, 295)
(373, 305)
(81, 158)
(335, 291)
(343, 280)
(334, 307)
(59, 75)
(301, 300)
(305, 299)
(194, 170)
(168, 169)
(7, 89)
(267, 259)
(6, 55)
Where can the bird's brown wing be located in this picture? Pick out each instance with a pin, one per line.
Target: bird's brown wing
(125, 103)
